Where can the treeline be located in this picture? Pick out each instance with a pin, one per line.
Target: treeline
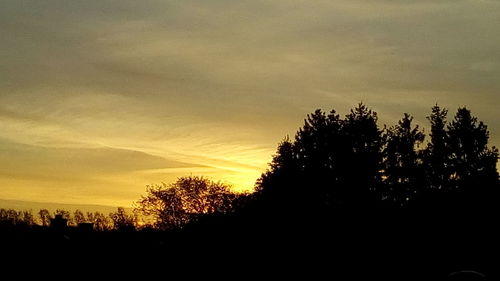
(118, 220)
(163, 207)
(338, 165)
(352, 163)
(332, 165)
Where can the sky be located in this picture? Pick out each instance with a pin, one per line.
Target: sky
(100, 98)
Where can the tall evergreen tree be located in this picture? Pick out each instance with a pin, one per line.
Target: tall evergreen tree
(347, 162)
(475, 176)
(361, 157)
(317, 146)
(404, 176)
(437, 153)
(279, 184)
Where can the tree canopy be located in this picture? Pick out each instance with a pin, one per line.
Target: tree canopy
(350, 163)
(176, 204)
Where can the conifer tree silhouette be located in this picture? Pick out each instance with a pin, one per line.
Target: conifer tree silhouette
(404, 174)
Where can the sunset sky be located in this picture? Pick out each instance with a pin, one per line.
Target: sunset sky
(100, 98)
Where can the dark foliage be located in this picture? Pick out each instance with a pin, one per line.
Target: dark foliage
(404, 176)
(337, 164)
(185, 200)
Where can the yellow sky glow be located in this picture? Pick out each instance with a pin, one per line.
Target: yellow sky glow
(100, 98)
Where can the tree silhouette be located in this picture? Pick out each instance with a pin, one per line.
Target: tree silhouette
(174, 205)
(332, 163)
(45, 217)
(349, 164)
(101, 221)
(304, 173)
(278, 189)
(403, 171)
(437, 154)
(317, 154)
(20, 218)
(121, 220)
(65, 215)
(90, 217)
(361, 157)
(79, 217)
(27, 218)
(474, 176)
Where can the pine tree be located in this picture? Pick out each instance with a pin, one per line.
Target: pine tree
(404, 176)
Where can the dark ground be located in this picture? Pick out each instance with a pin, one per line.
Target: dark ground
(402, 246)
